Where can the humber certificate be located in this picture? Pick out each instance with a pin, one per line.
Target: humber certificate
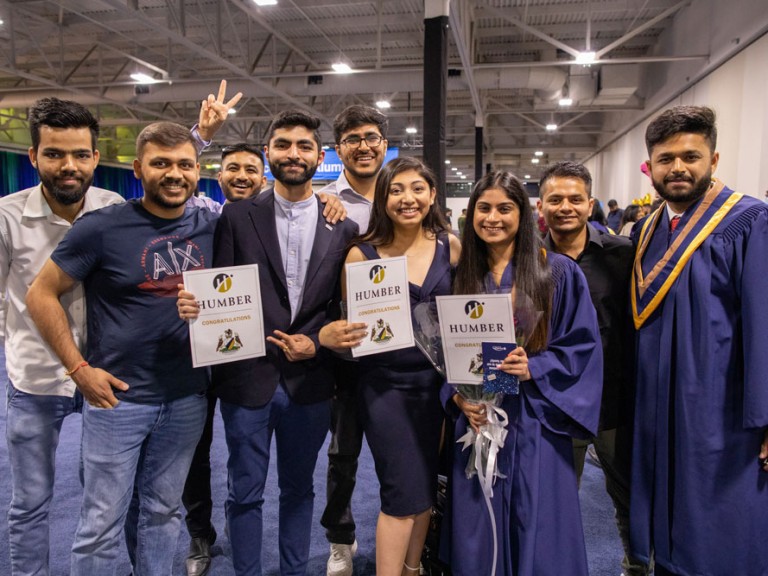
(465, 323)
(377, 294)
(231, 324)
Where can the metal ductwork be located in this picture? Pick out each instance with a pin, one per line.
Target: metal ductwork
(543, 80)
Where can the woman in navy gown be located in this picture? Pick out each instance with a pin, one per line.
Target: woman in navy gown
(536, 504)
(400, 391)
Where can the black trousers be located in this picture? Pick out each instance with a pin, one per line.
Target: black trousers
(343, 453)
(197, 489)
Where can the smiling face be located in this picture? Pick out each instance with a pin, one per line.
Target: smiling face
(363, 161)
(65, 161)
(293, 155)
(496, 218)
(565, 204)
(241, 175)
(409, 198)
(681, 168)
(169, 177)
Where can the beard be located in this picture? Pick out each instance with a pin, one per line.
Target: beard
(156, 196)
(280, 174)
(698, 189)
(66, 196)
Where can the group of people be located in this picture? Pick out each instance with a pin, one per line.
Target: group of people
(649, 348)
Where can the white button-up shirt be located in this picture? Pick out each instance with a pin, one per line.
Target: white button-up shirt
(358, 206)
(29, 232)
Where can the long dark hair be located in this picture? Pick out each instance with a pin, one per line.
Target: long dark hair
(533, 276)
(381, 232)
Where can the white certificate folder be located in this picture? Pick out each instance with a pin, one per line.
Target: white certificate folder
(377, 294)
(465, 323)
(231, 323)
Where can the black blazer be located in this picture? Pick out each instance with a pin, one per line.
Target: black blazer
(247, 234)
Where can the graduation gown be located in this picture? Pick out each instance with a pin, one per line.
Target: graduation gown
(698, 496)
(539, 529)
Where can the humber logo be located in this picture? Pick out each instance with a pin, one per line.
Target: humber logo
(473, 309)
(222, 282)
(376, 274)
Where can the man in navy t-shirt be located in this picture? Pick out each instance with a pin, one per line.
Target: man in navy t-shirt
(145, 404)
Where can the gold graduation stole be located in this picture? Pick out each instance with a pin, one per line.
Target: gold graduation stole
(648, 292)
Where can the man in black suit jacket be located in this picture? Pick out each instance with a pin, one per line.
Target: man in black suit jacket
(286, 392)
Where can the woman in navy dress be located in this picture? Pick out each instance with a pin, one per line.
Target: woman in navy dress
(400, 391)
(535, 504)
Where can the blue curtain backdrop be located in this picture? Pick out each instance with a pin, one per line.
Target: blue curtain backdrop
(17, 174)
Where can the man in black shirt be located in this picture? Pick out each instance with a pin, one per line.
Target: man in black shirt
(565, 192)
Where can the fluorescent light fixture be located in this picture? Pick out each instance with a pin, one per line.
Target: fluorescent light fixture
(232, 111)
(214, 166)
(411, 130)
(534, 160)
(551, 127)
(341, 68)
(454, 168)
(463, 177)
(565, 102)
(585, 58)
(447, 161)
(1, 22)
(383, 104)
(538, 153)
(142, 78)
(265, 2)
(527, 176)
(326, 147)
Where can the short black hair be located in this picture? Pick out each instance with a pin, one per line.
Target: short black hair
(290, 118)
(166, 135)
(243, 147)
(358, 115)
(612, 203)
(567, 169)
(680, 119)
(60, 114)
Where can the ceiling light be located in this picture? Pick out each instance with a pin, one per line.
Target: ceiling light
(265, 2)
(1, 22)
(538, 153)
(463, 177)
(585, 58)
(411, 130)
(326, 147)
(454, 168)
(232, 111)
(527, 176)
(565, 102)
(214, 166)
(551, 127)
(447, 161)
(142, 78)
(341, 68)
(383, 104)
(534, 160)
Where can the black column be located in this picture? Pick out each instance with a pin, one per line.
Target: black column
(435, 105)
(478, 152)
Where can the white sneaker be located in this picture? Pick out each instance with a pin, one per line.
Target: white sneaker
(340, 561)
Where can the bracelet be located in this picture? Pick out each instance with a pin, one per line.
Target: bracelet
(76, 368)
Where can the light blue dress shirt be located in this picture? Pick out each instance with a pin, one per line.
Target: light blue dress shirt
(296, 225)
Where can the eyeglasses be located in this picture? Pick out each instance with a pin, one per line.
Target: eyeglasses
(373, 140)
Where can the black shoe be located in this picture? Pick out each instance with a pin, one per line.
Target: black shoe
(199, 558)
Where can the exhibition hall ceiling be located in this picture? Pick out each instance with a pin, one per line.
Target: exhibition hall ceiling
(512, 66)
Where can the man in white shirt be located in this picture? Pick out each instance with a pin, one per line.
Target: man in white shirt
(40, 392)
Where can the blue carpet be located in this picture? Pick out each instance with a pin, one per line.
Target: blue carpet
(603, 546)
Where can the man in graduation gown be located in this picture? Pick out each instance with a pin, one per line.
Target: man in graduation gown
(699, 486)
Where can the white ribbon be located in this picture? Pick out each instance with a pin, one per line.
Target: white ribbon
(487, 445)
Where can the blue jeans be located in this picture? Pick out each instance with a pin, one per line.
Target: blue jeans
(153, 446)
(32, 432)
(299, 430)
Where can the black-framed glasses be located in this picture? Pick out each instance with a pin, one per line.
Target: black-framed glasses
(373, 140)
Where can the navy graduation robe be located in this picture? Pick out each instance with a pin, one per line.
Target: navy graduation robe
(698, 496)
(538, 519)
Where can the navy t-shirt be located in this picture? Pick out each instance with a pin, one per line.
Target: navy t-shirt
(130, 262)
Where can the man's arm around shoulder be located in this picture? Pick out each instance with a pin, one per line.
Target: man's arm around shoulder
(48, 314)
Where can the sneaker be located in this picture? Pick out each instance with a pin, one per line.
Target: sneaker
(340, 561)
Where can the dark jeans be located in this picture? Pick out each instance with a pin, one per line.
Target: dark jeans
(343, 452)
(197, 489)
